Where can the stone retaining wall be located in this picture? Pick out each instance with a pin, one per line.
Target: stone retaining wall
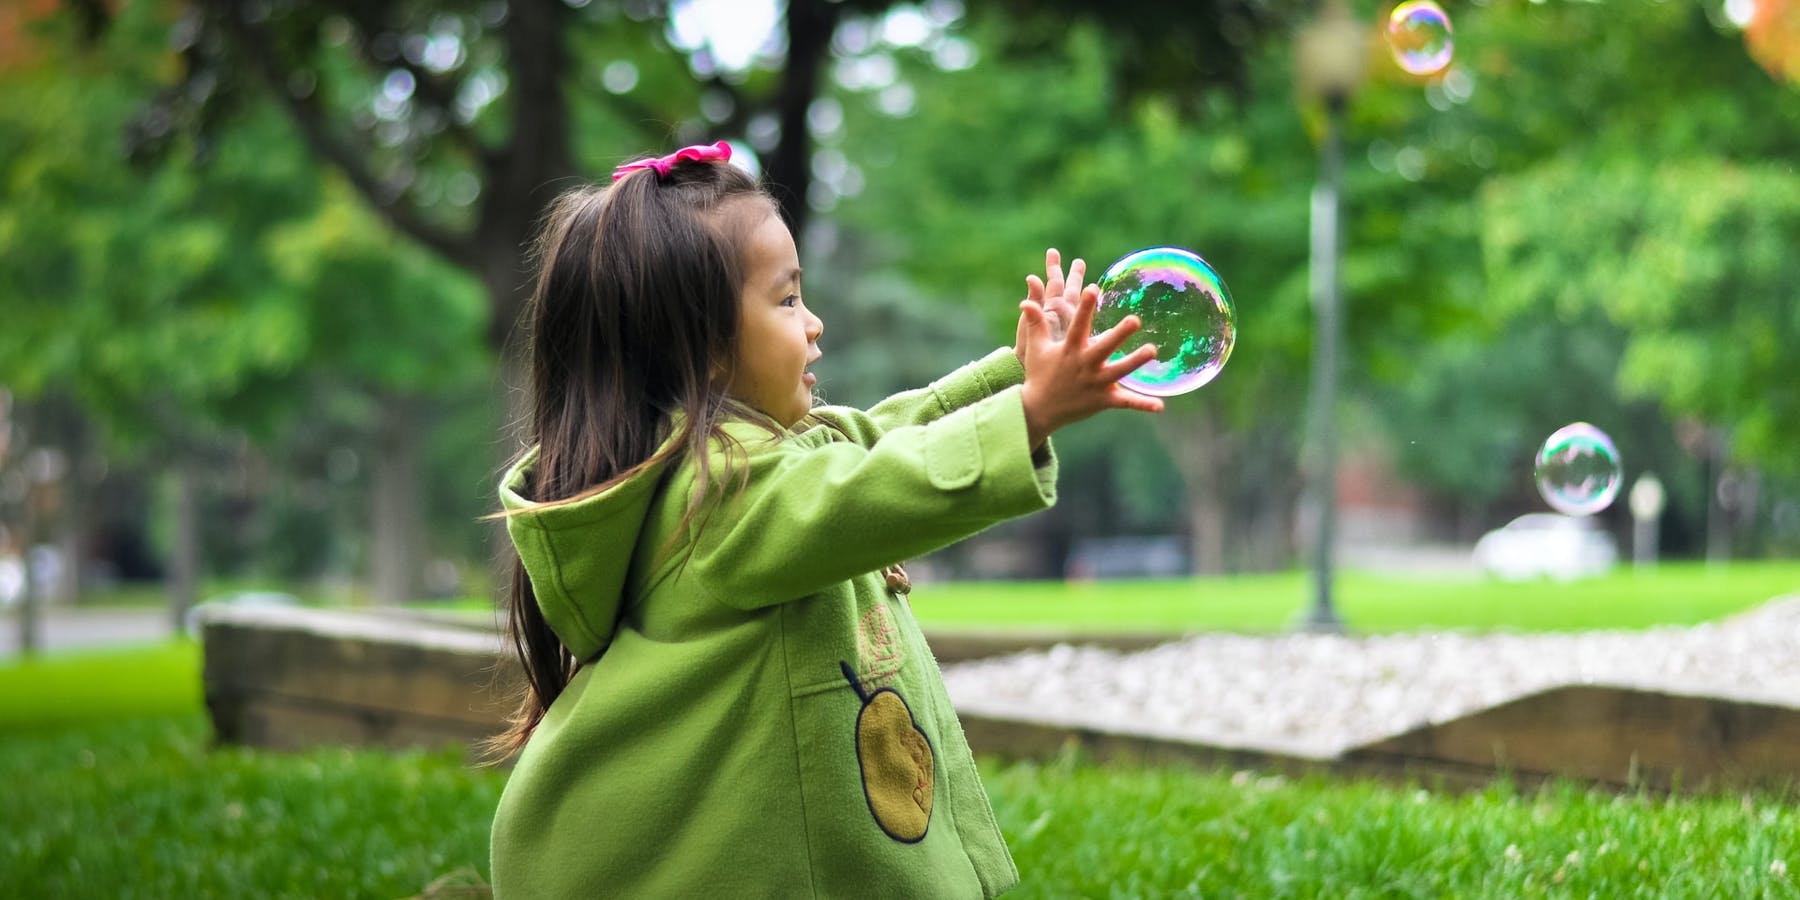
(288, 678)
(1613, 735)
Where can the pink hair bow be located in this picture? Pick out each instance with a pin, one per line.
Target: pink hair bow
(719, 152)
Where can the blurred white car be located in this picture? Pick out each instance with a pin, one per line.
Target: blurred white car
(1546, 545)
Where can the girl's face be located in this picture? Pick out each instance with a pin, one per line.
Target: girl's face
(777, 335)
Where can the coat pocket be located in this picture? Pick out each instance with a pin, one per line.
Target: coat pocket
(953, 452)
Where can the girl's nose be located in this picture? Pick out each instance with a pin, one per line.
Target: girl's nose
(815, 326)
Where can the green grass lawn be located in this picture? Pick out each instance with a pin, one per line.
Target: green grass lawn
(144, 808)
(86, 686)
(1676, 594)
(113, 789)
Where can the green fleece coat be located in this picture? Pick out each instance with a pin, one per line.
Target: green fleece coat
(766, 719)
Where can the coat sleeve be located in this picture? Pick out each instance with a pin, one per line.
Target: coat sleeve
(971, 383)
(809, 517)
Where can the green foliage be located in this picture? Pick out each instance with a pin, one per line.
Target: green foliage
(136, 291)
(1670, 595)
(1071, 172)
(1003, 159)
(171, 294)
(1693, 260)
(1578, 162)
(381, 310)
(1015, 154)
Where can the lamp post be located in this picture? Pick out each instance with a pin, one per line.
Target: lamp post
(1332, 54)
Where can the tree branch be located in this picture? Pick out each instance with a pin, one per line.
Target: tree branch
(434, 90)
(310, 118)
(520, 178)
(95, 18)
(810, 24)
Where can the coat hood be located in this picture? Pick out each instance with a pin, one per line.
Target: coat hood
(578, 554)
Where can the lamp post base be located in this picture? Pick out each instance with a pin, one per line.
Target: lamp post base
(1320, 620)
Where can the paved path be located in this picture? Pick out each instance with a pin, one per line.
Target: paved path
(65, 628)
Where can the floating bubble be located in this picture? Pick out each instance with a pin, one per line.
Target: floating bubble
(1578, 470)
(1186, 312)
(1418, 32)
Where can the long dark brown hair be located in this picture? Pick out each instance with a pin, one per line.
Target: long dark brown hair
(633, 318)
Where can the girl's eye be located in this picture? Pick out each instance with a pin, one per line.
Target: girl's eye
(790, 300)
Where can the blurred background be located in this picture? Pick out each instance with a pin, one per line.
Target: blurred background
(261, 265)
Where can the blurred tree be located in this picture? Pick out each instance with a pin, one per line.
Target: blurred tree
(1693, 259)
(501, 103)
(179, 305)
(1071, 167)
(1581, 94)
(114, 282)
(1182, 53)
(459, 121)
(1100, 164)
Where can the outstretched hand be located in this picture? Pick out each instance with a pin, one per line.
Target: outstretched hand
(1056, 296)
(1067, 375)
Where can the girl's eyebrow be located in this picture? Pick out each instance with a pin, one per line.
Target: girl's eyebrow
(788, 277)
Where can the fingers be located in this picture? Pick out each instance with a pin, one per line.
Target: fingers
(1031, 316)
(1126, 398)
(1108, 342)
(1129, 363)
(1034, 289)
(1053, 281)
(1077, 272)
(1082, 325)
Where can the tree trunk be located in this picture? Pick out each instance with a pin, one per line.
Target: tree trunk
(1201, 455)
(510, 400)
(72, 498)
(397, 522)
(810, 25)
(183, 583)
(1206, 516)
(29, 626)
(1269, 534)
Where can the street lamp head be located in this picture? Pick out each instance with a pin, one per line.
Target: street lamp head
(1332, 53)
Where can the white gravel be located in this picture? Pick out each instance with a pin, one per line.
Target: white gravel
(1318, 695)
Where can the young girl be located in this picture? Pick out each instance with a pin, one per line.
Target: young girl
(728, 694)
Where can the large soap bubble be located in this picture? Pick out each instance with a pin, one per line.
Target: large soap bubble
(1418, 32)
(1186, 313)
(1578, 470)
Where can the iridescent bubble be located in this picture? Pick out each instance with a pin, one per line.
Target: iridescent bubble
(1186, 312)
(1578, 470)
(1418, 32)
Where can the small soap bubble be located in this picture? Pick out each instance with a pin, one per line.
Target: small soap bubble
(1578, 470)
(1185, 310)
(1418, 32)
